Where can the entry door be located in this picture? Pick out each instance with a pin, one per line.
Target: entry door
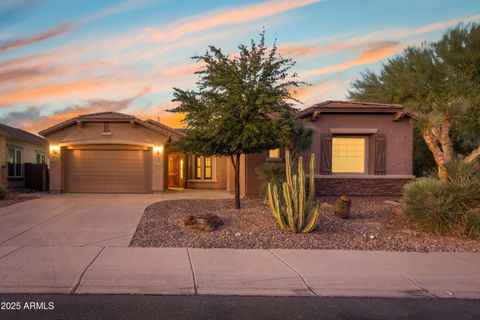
(174, 171)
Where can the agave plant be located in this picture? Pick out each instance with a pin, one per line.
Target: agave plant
(293, 210)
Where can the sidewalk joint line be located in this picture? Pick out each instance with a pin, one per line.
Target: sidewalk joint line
(194, 278)
(298, 273)
(93, 242)
(14, 250)
(74, 289)
(415, 283)
(39, 224)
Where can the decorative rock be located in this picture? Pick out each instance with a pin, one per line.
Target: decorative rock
(202, 222)
(394, 203)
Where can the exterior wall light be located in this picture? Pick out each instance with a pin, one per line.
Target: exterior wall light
(158, 150)
(55, 150)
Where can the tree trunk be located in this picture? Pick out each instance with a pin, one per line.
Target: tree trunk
(236, 167)
(432, 143)
(445, 141)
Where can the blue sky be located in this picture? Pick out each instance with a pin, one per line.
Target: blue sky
(59, 59)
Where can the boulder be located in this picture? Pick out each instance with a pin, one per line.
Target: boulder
(202, 222)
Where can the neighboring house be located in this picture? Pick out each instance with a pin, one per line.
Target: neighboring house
(18, 147)
(361, 148)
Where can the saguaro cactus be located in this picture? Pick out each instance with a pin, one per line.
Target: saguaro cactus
(292, 210)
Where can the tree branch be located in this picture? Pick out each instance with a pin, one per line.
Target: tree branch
(473, 155)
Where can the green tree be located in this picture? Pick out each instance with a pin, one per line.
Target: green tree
(436, 80)
(300, 138)
(242, 104)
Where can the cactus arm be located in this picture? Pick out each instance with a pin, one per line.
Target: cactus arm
(301, 195)
(288, 206)
(313, 220)
(288, 168)
(294, 193)
(311, 194)
(274, 205)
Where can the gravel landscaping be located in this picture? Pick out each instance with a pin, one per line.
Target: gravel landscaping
(373, 225)
(14, 198)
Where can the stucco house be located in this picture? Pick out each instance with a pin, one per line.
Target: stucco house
(17, 148)
(362, 149)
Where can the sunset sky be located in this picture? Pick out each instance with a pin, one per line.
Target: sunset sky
(59, 59)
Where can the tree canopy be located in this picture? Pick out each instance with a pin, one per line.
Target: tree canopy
(242, 103)
(433, 77)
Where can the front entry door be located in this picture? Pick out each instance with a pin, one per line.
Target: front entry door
(175, 171)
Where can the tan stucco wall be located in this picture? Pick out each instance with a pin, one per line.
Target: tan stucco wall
(29, 155)
(90, 133)
(399, 156)
(220, 181)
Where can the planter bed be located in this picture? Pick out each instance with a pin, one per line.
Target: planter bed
(13, 198)
(373, 225)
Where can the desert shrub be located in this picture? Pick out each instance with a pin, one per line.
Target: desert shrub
(3, 192)
(270, 172)
(449, 207)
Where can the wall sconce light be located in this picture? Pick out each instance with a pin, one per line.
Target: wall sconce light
(55, 150)
(157, 150)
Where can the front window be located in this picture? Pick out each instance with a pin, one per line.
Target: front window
(14, 162)
(274, 153)
(41, 159)
(348, 154)
(198, 167)
(207, 168)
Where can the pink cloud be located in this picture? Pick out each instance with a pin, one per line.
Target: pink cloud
(370, 56)
(230, 17)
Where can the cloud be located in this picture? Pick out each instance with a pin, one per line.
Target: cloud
(368, 40)
(232, 16)
(31, 118)
(370, 56)
(22, 42)
(64, 28)
(325, 90)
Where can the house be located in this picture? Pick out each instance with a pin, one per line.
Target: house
(17, 148)
(362, 149)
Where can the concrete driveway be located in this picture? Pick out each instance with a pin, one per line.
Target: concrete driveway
(74, 220)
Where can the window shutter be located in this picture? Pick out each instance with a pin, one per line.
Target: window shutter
(326, 154)
(380, 154)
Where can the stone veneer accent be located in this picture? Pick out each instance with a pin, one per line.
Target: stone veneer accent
(330, 186)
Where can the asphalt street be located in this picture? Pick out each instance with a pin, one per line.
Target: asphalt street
(129, 307)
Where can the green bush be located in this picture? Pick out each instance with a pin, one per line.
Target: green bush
(270, 172)
(3, 192)
(450, 207)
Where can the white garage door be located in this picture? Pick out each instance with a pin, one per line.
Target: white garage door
(106, 171)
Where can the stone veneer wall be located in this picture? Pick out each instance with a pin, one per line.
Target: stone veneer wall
(360, 187)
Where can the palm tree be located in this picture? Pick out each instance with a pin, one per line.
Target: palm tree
(300, 139)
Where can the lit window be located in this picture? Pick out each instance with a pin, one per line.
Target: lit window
(198, 167)
(348, 155)
(181, 168)
(208, 168)
(14, 162)
(274, 153)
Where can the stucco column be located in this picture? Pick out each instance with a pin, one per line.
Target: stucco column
(3, 160)
(158, 170)
(56, 169)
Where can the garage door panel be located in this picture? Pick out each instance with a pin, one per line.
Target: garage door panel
(106, 171)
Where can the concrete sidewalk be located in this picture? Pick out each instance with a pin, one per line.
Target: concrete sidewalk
(91, 270)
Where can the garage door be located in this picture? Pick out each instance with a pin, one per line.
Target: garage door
(106, 171)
